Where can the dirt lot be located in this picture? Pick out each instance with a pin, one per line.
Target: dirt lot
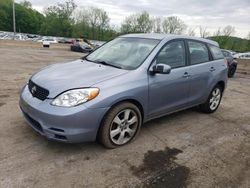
(185, 149)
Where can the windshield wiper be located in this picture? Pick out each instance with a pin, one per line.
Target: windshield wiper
(102, 62)
(108, 64)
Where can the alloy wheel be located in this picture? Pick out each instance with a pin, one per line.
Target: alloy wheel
(124, 126)
(215, 99)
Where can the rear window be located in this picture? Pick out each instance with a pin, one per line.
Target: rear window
(216, 52)
(226, 54)
(198, 52)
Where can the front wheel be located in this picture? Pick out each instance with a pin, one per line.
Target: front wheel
(213, 101)
(120, 126)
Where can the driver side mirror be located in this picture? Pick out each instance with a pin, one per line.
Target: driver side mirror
(161, 69)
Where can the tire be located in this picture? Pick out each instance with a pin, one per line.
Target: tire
(213, 101)
(231, 71)
(120, 126)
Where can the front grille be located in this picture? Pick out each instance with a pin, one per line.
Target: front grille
(37, 91)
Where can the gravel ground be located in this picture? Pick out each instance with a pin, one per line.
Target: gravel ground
(185, 149)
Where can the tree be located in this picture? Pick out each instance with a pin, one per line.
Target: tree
(26, 4)
(191, 32)
(137, 23)
(218, 32)
(27, 19)
(173, 25)
(228, 31)
(93, 23)
(203, 32)
(6, 15)
(144, 23)
(58, 21)
(129, 25)
(99, 21)
(222, 36)
(157, 25)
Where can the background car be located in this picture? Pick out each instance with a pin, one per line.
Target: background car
(66, 41)
(231, 61)
(245, 55)
(50, 40)
(81, 47)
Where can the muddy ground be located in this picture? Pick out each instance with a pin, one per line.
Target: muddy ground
(185, 149)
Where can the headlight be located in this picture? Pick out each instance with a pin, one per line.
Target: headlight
(75, 97)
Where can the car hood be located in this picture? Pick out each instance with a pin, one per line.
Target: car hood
(77, 74)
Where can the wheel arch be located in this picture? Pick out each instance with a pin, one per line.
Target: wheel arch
(221, 84)
(133, 101)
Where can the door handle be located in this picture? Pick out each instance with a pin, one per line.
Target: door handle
(186, 75)
(212, 69)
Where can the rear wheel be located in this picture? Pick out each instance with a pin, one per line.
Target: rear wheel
(120, 126)
(213, 101)
(231, 71)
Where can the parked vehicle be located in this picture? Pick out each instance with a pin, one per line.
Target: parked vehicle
(130, 80)
(50, 40)
(66, 41)
(32, 36)
(245, 55)
(46, 44)
(81, 47)
(231, 61)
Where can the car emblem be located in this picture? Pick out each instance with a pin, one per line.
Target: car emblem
(33, 89)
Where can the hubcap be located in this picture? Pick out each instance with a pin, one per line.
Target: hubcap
(124, 126)
(215, 99)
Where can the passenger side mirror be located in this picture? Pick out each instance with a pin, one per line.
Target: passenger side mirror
(161, 69)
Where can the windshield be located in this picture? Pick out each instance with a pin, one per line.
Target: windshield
(127, 53)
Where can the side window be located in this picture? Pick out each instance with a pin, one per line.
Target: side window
(173, 54)
(198, 52)
(216, 52)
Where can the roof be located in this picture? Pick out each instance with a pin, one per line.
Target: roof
(160, 36)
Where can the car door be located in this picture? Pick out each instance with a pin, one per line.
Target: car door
(201, 71)
(169, 92)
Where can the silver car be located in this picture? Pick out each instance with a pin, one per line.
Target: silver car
(128, 81)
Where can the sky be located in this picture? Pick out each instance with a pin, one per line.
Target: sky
(212, 14)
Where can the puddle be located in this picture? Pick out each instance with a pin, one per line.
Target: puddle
(160, 170)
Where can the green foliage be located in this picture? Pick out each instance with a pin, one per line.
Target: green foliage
(137, 23)
(6, 15)
(232, 43)
(27, 19)
(26, 4)
(173, 25)
(58, 21)
(93, 23)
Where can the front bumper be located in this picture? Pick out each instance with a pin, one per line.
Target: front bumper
(73, 125)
